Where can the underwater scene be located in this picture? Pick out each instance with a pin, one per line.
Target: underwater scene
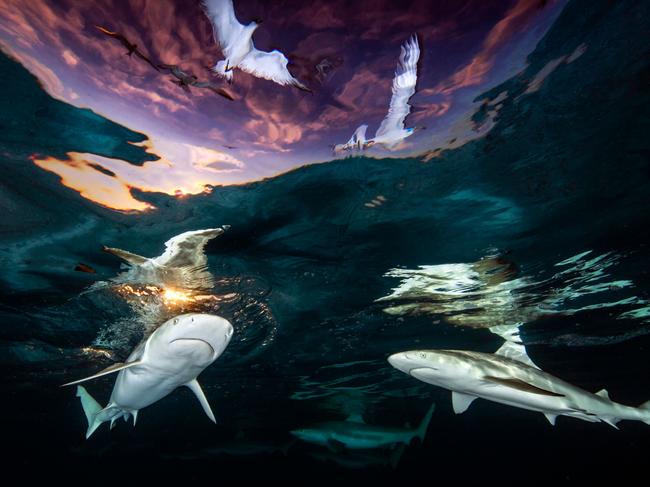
(290, 241)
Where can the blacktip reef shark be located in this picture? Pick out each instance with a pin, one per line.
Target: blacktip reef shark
(173, 356)
(183, 264)
(355, 434)
(501, 379)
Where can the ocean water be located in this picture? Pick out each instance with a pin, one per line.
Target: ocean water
(330, 268)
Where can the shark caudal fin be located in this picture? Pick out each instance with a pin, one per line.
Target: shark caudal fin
(91, 408)
(424, 424)
(645, 408)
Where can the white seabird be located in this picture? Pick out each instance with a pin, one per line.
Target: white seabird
(182, 265)
(391, 131)
(236, 42)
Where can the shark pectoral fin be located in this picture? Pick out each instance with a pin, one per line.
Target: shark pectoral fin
(461, 401)
(113, 422)
(195, 387)
(551, 418)
(611, 421)
(108, 370)
(515, 351)
(129, 257)
(604, 394)
(335, 445)
(134, 413)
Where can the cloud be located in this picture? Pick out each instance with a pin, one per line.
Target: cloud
(96, 185)
(461, 45)
(185, 169)
(69, 58)
(515, 21)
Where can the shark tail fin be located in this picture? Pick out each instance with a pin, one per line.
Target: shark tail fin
(645, 407)
(91, 408)
(396, 456)
(424, 424)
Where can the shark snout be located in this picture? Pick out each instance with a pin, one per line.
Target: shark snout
(411, 360)
(401, 361)
(212, 330)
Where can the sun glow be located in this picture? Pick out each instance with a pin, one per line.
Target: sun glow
(174, 296)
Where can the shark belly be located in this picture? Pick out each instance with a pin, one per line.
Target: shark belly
(556, 405)
(140, 387)
(359, 440)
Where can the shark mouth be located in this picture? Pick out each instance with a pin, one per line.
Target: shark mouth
(420, 368)
(195, 340)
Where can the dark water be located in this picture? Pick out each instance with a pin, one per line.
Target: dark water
(564, 171)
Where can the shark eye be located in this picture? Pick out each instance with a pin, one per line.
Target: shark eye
(422, 355)
(175, 322)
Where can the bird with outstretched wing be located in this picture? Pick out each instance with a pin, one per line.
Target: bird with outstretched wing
(130, 46)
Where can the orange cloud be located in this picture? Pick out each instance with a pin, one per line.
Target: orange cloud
(76, 173)
(69, 58)
(473, 73)
(186, 169)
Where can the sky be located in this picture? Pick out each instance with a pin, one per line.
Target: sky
(203, 139)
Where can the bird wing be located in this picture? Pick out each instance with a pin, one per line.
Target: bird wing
(214, 89)
(108, 32)
(359, 135)
(116, 35)
(225, 26)
(186, 249)
(403, 87)
(139, 54)
(269, 65)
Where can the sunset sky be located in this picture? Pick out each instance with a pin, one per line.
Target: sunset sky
(467, 47)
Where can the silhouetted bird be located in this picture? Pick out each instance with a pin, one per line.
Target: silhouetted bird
(131, 47)
(187, 80)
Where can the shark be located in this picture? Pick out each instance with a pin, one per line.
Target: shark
(503, 379)
(354, 434)
(183, 264)
(173, 356)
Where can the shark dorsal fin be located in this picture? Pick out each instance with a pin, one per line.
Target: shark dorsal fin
(195, 387)
(108, 370)
(355, 418)
(461, 401)
(604, 394)
(515, 351)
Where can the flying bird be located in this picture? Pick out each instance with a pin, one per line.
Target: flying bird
(236, 42)
(357, 141)
(187, 80)
(391, 131)
(182, 265)
(131, 47)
